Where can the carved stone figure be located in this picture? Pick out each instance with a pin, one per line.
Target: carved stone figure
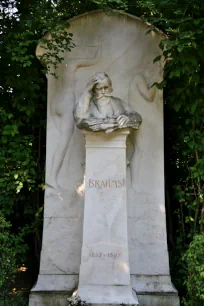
(61, 112)
(97, 110)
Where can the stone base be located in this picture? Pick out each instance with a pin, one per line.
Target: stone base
(153, 284)
(56, 283)
(152, 290)
(60, 299)
(155, 290)
(158, 300)
(101, 294)
(49, 298)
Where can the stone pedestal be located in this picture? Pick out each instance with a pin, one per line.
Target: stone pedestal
(104, 271)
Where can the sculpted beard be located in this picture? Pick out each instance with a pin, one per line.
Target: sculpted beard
(106, 95)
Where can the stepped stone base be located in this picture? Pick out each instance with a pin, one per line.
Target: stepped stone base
(60, 299)
(152, 290)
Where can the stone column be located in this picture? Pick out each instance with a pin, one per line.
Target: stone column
(104, 272)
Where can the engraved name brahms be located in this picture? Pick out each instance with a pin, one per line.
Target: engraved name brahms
(105, 183)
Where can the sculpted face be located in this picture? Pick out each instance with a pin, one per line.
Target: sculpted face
(103, 88)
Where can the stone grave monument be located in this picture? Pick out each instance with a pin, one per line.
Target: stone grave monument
(104, 234)
(105, 121)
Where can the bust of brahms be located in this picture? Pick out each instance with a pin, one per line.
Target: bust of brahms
(97, 110)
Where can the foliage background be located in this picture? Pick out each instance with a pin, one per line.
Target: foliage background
(23, 118)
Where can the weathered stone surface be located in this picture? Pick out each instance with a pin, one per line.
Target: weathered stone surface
(158, 300)
(104, 272)
(116, 44)
(55, 250)
(153, 284)
(108, 295)
(50, 283)
(49, 299)
(60, 299)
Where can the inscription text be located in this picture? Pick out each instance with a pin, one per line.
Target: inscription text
(105, 255)
(105, 183)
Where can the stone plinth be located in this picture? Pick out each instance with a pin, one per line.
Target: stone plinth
(105, 272)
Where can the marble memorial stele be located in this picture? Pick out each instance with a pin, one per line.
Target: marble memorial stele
(104, 230)
(104, 276)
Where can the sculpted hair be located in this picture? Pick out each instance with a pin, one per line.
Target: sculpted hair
(101, 76)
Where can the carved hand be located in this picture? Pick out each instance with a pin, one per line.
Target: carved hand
(91, 84)
(122, 120)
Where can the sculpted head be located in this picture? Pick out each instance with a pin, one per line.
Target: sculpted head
(103, 87)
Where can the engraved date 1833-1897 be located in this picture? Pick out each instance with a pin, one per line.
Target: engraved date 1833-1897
(105, 255)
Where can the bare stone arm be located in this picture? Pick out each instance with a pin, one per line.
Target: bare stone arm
(82, 109)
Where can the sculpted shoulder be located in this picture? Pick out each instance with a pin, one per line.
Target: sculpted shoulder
(117, 100)
(118, 105)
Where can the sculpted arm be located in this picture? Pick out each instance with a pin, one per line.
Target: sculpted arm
(128, 117)
(82, 110)
(135, 118)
